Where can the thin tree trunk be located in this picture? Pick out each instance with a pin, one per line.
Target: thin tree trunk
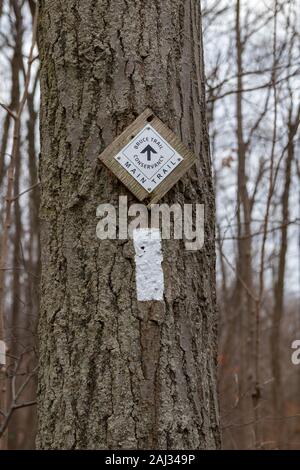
(115, 372)
(279, 286)
(243, 301)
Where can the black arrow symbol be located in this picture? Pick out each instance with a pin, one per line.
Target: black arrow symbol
(148, 149)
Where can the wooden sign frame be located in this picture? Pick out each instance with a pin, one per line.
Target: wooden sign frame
(107, 157)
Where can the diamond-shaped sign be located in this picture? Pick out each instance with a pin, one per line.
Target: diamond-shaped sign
(148, 157)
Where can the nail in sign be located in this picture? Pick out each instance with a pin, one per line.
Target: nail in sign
(148, 158)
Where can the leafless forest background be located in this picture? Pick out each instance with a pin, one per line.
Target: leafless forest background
(252, 54)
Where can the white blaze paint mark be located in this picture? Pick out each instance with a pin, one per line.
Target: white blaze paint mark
(148, 259)
(2, 353)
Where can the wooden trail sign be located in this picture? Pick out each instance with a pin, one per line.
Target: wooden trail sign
(148, 158)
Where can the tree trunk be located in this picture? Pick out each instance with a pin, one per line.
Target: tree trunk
(279, 285)
(242, 300)
(114, 372)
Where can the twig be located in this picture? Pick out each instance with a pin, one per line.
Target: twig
(8, 110)
(24, 192)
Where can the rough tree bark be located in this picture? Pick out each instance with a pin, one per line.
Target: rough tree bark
(114, 372)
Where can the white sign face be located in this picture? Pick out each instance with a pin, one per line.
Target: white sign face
(149, 158)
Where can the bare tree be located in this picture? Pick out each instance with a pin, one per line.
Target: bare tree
(115, 372)
(12, 255)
